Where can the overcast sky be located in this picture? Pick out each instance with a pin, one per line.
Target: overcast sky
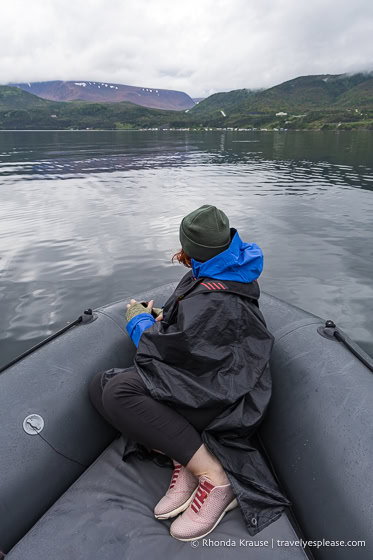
(196, 46)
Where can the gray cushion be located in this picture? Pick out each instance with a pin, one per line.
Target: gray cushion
(107, 514)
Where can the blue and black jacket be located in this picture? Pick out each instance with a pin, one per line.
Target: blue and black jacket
(241, 262)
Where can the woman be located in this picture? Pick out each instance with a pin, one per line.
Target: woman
(201, 383)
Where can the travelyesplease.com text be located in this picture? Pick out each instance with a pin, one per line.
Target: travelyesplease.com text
(273, 543)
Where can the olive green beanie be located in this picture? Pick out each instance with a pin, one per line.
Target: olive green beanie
(205, 232)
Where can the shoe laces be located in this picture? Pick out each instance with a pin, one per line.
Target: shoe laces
(175, 474)
(204, 489)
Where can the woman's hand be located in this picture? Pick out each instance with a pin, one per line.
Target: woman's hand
(135, 308)
(149, 308)
(160, 317)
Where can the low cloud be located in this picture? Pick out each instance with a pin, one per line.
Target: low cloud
(199, 47)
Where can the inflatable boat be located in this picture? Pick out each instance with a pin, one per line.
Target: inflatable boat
(66, 494)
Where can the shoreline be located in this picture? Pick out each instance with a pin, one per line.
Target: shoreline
(210, 129)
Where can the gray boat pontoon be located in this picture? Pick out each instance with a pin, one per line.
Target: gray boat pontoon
(65, 493)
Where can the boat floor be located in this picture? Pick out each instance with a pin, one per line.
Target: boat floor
(107, 514)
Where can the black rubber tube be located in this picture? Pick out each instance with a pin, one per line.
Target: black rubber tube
(356, 350)
(33, 348)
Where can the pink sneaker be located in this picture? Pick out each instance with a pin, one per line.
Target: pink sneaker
(207, 509)
(180, 493)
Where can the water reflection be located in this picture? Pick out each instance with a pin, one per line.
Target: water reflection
(87, 218)
(346, 155)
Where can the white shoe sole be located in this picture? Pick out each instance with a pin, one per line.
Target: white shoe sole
(178, 510)
(230, 506)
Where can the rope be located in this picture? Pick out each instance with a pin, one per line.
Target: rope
(58, 452)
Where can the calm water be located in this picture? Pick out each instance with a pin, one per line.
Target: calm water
(87, 218)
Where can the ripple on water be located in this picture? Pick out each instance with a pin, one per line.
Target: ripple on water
(84, 221)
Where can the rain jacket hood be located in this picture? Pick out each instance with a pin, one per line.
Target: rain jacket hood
(242, 262)
(212, 349)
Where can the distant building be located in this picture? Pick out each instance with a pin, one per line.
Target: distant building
(281, 114)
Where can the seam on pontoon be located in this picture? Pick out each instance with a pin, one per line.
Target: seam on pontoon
(123, 330)
(295, 329)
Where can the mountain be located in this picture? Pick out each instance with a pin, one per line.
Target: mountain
(308, 92)
(213, 110)
(105, 92)
(22, 110)
(14, 98)
(326, 93)
(359, 96)
(309, 102)
(222, 101)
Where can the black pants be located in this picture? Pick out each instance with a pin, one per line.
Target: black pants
(123, 400)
